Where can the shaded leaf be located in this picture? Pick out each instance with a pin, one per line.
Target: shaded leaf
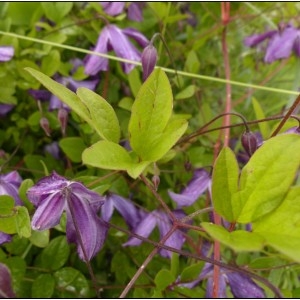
(43, 286)
(72, 147)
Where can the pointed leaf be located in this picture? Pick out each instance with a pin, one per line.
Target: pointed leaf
(283, 224)
(150, 113)
(62, 93)
(72, 147)
(259, 113)
(107, 155)
(238, 240)
(266, 178)
(102, 114)
(225, 185)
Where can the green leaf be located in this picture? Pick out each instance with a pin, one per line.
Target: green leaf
(107, 155)
(43, 286)
(55, 11)
(238, 240)
(266, 178)
(72, 147)
(25, 185)
(22, 219)
(134, 81)
(191, 272)
(56, 254)
(188, 92)
(225, 185)
(40, 238)
(62, 93)
(174, 264)
(102, 114)
(71, 283)
(281, 228)
(150, 113)
(259, 113)
(163, 279)
(7, 214)
(51, 63)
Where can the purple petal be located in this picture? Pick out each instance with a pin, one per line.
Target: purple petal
(95, 63)
(295, 129)
(144, 228)
(49, 211)
(176, 240)
(6, 53)
(45, 186)
(89, 84)
(4, 238)
(148, 58)
(134, 12)
(221, 290)
(43, 95)
(243, 286)
(91, 229)
(281, 44)
(6, 290)
(56, 103)
(5, 108)
(9, 185)
(107, 209)
(122, 46)
(128, 211)
(136, 35)
(195, 187)
(254, 40)
(296, 46)
(113, 8)
(53, 149)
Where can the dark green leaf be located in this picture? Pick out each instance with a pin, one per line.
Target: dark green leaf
(43, 286)
(72, 147)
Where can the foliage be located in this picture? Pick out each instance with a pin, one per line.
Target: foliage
(129, 143)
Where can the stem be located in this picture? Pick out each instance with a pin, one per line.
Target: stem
(81, 243)
(146, 262)
(288, 114)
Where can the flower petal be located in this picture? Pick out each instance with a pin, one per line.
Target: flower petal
(6, 290)
(144, 228)
(195, 187)
(91, 229)
(4, 237)
(94, 63)
(113, 8)
(255, 39)
(136, 35)
(48, 212)
(134, 12)
(6, 53)
(281, 44)
(221, 290)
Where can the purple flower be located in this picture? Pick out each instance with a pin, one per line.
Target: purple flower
(6, 53)
(6, 290)
(9, 185)
(281, 44)
(53, 149)
(195, 187)
(161, 220)
(54, 194)
(134, 11)
(114, 38)
(4, 238)
(129, 212)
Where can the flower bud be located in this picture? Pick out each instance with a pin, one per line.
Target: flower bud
(249, 142)
(44, 123)
(149, 58)
(155, 181)
(62, 116)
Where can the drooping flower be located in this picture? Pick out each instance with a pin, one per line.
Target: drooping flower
(194, 189)
(9, 185)
(149, 58)
(114, 38)
(128, 211)
(282, 42)
(54, 194)
(6, 53)
(162, 221)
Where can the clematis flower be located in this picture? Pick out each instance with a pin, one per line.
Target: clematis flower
(161, 220)
(5, 108)
(54, 194)
(6, 53)
(282, 42)
(128, 211)
(9, 185)
(114, 38)
(195, 188)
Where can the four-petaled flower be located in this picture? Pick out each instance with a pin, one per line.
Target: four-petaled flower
(162, 221)
(281, 44)
(54, 194)
(114, 38)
